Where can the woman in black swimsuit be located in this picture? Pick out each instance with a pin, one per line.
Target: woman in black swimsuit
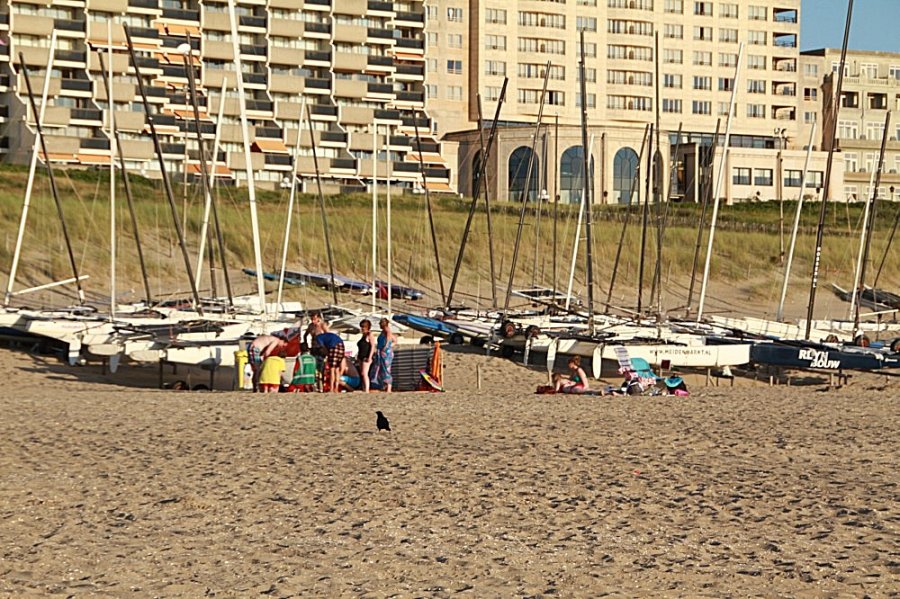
(365, 351)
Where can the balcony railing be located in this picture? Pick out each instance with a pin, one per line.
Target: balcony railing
(177, 149)
(406, 167)
(414, 17)
(165, 120)
(427, 147)
(323, 110)
(268, 132)
(387, 115)
(380, 33)
(400, 140)
(68, 24)
(260, 105)
(252, 21)
(144, 32)
(410, 69)
(411, 96)
(317, 27)
(70, 56)
(86, 114)
(156, 92)
(334, 136)
(343, 163)
(421, 123)
(437, 173)
(143, 3)
(380, 88)
(318, 2)
(253, 49)
(174, 42)
(255, 78)
(76, 85)
(94, 143)
(278, 160)
(317, 56)
(381, 61)
(381, 6)
(181, 15)
(403, 42)
(317, 83)
(174, 70)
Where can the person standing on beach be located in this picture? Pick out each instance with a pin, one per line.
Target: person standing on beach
(384, 357)
(334, 358)
(365, 352)
(258, 350)
(316, 327)
(270, 373)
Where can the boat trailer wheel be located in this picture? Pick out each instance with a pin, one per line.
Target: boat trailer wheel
(507, 329)
(532, 331)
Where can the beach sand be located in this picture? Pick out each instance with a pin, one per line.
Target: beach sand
(111, 491)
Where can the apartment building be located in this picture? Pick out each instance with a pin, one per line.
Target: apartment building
(871, 88)
(357, 65)
(691, 73)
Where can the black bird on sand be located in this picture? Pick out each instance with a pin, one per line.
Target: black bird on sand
(382, 423)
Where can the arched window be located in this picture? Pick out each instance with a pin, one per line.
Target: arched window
(571, 175)
(518, 172)
(625, 164)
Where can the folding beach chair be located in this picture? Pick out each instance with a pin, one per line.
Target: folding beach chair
(639, 377)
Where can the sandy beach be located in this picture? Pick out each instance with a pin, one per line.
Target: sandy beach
(111, 491)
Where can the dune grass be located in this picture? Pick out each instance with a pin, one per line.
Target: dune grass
(746, 251)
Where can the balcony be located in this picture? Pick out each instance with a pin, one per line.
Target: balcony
(177, 14)
(400, 140)
(165, 120)
(411, 97)
(255, 78)
(86, 114)
(149, 4)
(191, 127)
(324, 28)
(277, 160)
(69, 25)
(76, 85)
(381, 61)
(268, 132)
(174, 71)
(333, 137)
(410, 17)
(317, 57)
(406, 167)
(153, 91)
(311, 83)
(427, 147)
(252, 21)
(174, 42)
(343, 164)
(319, 3)
(410, 44)
(437, 173)
(784, 15)
(144, 32)
(387, 115)
(70, 56)
(408, 69)
(377, 6)
(260, 105)
(323, 110)
(173, 149)
(381, 88)
(421, 122)
(380, 33)
(254, 50)
(94, 143)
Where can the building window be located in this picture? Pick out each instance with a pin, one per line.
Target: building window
(727, 60)
(703, 58)
(540, 19)
(537, 71)
(673, 56)
(674, 6)
(810, 94)
(756, 38)
(455, 15)
(728, 10)
(848, 130)
(454, 67)
(893, 72)
(726, 84)
(756, 86)
(850, 193)
(495, 42)
(671, 105)
(625, 164)
(756, 111)
(728, 36)
(672, 81)
(740, 176)
(762, 177)
(454, 40)
(491, 93)
(756, 63)
(702, 83)
(495, 67)
(675, 32)
(722, 109)
(757, 13)
(590, 50)
(793, 178)
(517, 172)
(542, 46)
(454, 92)
(533, 96)
(701, 107)
(586, 23)
(432, 38)
(703, 8)
(495, 15)
(851, 162)
(703, 34)
(431, 91)
(810, 70)
(809, 117)
(591, 100)
(432, 12)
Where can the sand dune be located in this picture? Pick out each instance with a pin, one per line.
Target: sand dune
(110, 491)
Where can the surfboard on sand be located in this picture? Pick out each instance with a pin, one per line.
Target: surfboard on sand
(430, 381)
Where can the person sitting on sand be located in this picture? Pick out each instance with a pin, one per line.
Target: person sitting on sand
(270, 373)
(258, 350)
(351, 379)
(576, 382)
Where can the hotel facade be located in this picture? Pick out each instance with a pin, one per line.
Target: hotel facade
(373, 74)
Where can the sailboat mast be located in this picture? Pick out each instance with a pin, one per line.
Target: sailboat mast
(588, 186)
(823, 209)
(389, 171)
(374, 214)
(635, 181)
(779, 314)
(32, 167)
(437, 255)
(645, 214)
(657, 274)
(555, 201)
(330, 255)
(128, 196)
(719, 179)
(482, 183)
(871, 220)
(290, 212)
(167, 186)
(188, 56)
(705, 192)
(524, 197)
(485, 152)
(53, 188)
(210, 201)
